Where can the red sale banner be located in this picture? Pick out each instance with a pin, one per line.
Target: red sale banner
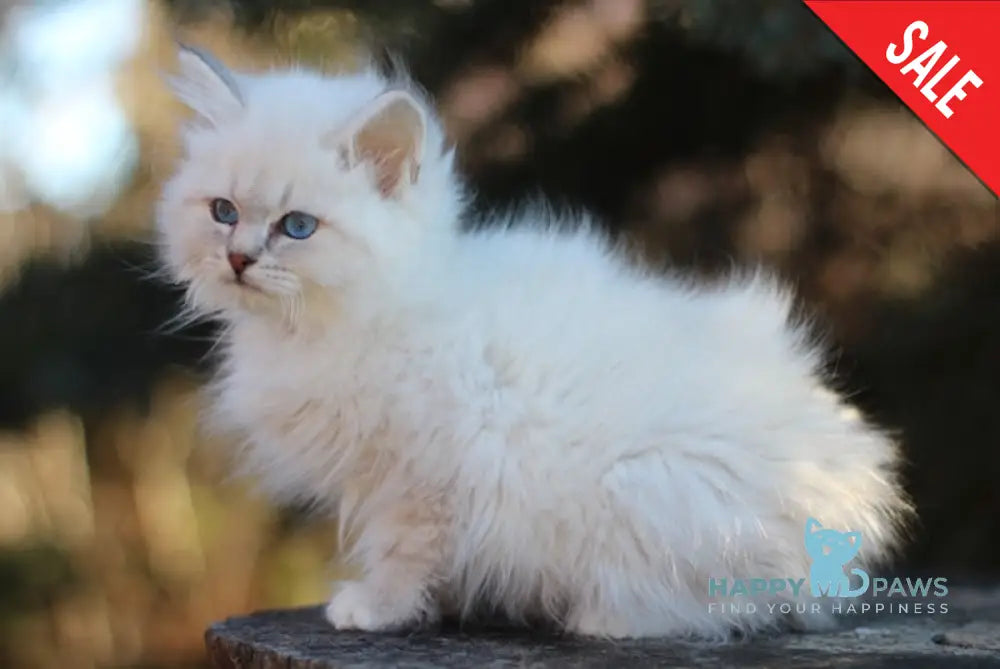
(942, 58)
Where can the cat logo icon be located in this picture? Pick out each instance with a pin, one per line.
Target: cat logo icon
(830, 550)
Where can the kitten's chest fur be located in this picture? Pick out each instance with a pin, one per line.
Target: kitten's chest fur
(321, 410)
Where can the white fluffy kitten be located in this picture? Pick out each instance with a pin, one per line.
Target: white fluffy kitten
(514, 418)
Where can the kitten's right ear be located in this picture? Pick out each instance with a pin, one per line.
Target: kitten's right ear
(812, 525)
(206, 86)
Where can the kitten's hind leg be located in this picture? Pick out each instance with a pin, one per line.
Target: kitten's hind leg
(401, 553)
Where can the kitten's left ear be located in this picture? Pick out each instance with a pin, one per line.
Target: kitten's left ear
(389, 136)
(206, 86)
(854, 538)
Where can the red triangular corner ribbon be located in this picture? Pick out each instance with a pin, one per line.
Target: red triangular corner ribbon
(942, 58)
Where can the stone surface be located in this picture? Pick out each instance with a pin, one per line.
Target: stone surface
(967, 636)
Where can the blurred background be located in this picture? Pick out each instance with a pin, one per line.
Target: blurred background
(710, 132)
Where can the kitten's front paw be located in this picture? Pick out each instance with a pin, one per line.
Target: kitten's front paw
(357, 606)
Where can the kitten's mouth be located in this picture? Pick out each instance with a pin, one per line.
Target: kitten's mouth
(243, 284)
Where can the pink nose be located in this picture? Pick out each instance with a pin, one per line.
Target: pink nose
(239, 262)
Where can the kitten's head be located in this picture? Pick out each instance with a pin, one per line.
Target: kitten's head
(295, 187)
(830, 545)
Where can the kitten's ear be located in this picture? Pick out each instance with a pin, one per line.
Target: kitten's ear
(389, 136)
(854, 538)
(812, 525)
(206, 86)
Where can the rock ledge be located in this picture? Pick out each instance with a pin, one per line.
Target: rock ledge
(968, 636)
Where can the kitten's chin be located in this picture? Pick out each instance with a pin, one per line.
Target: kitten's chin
(229, 296)
(242, 286)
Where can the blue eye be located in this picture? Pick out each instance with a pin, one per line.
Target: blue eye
(297, 225)
(224, 211)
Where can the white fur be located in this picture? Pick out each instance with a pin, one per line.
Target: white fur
(516, 418)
